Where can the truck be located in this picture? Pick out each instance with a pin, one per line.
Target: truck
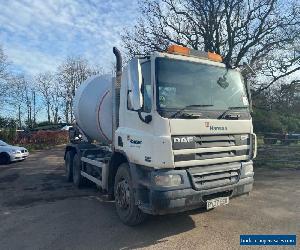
(169, 132)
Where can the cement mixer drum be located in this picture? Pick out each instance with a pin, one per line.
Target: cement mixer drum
(93, 108)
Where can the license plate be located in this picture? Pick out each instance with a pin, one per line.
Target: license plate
(217, 202)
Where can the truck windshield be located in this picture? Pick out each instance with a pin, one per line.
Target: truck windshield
(196, 86)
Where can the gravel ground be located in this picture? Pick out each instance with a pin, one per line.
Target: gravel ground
(40, 210)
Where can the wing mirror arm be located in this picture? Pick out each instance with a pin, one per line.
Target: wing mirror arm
(147, 119)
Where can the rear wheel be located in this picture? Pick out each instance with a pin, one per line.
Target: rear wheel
(78, 179)
(126, 207)
(4, 158)
(69, 165)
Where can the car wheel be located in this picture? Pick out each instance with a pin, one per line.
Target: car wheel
(78, 179)
(4, 158)
(126, 207)
(69, 165)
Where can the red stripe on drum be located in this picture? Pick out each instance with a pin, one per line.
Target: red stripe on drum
(99, 125)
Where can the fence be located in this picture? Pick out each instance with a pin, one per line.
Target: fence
(278, 150)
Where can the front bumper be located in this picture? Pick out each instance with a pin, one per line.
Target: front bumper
(162, 200)
(187, 199)
(18, 156)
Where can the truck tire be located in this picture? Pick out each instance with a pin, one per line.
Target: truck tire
(4, 158)
(69, 165)
(126, 207)
(78, 179)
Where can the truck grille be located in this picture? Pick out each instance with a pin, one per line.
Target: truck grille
(210, 149)
(214, 176)
(207, 141)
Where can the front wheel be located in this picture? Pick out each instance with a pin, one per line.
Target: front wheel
(4, 159)
(126, 207)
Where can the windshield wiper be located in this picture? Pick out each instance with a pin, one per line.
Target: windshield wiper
(189, 106)
(225, 113)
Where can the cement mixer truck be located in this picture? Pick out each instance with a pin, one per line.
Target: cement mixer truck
(169, 132)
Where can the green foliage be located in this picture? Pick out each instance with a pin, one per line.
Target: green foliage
(8, 135)
(29, 124)
(7, 129)
(275, 121)
(291, 123)
(7, 123)
(278, 110)
(265, 121)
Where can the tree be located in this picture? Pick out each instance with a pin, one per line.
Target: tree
(261, 32)
(56, 101)
(22, 98)
(278, 108)
(29, 95)
(45, 87)
(7, 123)
(286, 98)
(4, 75)
(17, 96)
(70, 75)
(7, 129)
(16, 92)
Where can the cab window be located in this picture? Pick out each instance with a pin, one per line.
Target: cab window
(146, 88)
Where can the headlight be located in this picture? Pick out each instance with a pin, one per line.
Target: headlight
(169, 180)
(247, 170)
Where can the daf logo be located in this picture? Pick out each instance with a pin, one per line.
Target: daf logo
(183, 139)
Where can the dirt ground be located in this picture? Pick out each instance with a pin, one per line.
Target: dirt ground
(40, 210)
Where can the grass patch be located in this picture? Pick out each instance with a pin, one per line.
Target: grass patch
(278, 156)
(276, 165)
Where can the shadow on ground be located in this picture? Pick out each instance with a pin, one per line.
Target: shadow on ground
(35, 193)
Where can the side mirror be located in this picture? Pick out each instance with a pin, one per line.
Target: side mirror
(134, 84)
(147, 119)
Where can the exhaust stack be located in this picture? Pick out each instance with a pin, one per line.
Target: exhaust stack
(119, 61)
(116, 86)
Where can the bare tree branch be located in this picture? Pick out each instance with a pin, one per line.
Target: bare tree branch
(256, 32)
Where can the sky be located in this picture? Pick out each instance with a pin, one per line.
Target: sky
(38, 35)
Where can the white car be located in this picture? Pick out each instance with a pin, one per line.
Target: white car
(9, 153)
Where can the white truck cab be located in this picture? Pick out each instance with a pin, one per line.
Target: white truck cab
(181, 136)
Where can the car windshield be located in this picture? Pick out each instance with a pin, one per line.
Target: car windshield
(2, 143)
(192, 85)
